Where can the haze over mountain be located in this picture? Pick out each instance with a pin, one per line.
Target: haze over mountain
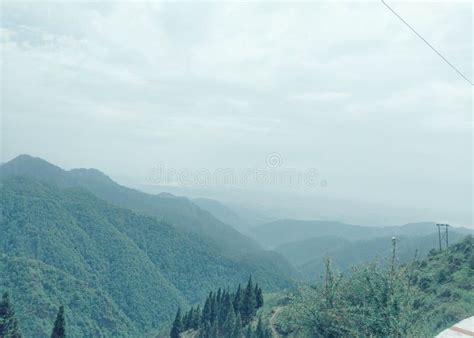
(283, 231)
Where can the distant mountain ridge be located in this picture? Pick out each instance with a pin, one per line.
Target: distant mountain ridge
(221, 212)
(289, 230)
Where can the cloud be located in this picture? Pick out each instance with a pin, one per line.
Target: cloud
(329, 85)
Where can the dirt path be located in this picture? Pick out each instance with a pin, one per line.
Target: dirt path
(276, 311)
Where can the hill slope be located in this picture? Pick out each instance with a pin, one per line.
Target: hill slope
(446, 280)
(178, 211)
(145, 268)
(418, 299)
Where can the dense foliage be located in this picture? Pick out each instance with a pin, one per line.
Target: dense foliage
(114, 270)
(224, 314)
(446, 283)
(418, 299)
(9, 327)
(8, 322)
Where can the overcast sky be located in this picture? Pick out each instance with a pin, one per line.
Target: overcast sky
(345, 88)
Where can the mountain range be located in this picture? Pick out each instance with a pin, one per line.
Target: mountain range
(119, 260)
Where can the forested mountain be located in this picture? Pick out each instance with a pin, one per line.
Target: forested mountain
(68, 246)
(284, 231)
(178, 211)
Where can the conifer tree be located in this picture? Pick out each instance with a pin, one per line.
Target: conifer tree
(206, 311)
(177, 327)
(8, 323)
(237, 333)
(205, 330)
(258, 296)
(248, 303)
(213, 306)
(196, 318)
(219, 295)
(226, 308)
(237, 302)
(59, 329)
(213, 332)
(230, 322)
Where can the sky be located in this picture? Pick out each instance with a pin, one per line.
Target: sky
(342, 89)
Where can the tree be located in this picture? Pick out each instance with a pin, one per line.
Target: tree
(213, 332)
(59, 329)
(206, 311)
(237, 302)
(237, 333)
(177, 327)
(8, 323)
(249, 303)
(213, 313)
(196, 318)
(205, 330)
(230, 322)
(258, 296)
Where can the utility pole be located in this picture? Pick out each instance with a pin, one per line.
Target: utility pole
(444, 236)
(394, 246)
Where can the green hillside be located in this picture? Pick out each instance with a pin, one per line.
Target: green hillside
(178, 211)
(446, 283)
(418, 299)
(145, 267)
(39, 289)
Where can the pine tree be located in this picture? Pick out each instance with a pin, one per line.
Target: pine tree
(213, 332)
(188, 320)
(177, 327)
(258, 296)
(237, 333)
(237, 301)
(206, 311)
(196, 318)
(59, 329)
(229, 323)
(248, 303)
(213, 314)
(8, 323)
(205, 330)
(219, 296)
